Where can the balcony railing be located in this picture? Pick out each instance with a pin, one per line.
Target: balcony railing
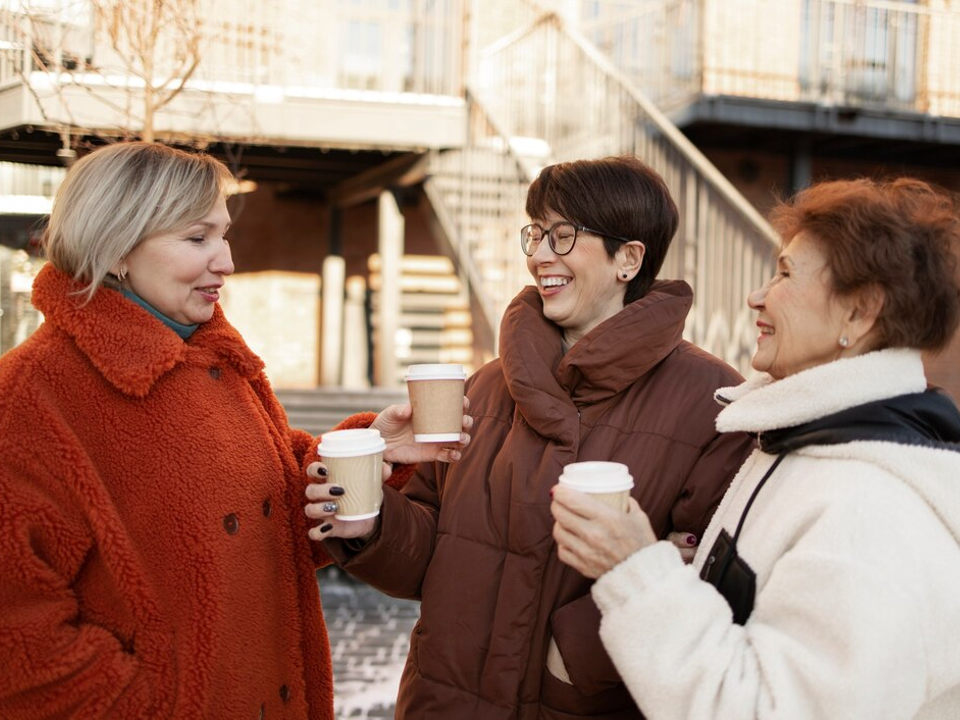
(863, 53)
(383, 46)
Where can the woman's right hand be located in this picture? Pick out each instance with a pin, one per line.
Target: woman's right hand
(396, 428)
(322, 507)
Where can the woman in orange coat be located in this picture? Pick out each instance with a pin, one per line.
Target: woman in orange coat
(154, 559)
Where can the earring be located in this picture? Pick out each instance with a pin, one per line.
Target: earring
(121, 275)
(625, 276)
(844, 342)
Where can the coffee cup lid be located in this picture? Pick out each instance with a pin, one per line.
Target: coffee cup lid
(350, 443)
(436, 371)
(597, 476)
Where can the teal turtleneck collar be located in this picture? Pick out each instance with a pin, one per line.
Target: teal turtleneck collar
(184, 331)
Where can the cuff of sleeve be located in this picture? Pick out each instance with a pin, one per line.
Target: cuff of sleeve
(638, 572)
(360, 420)
(401, 473)
(400, 476)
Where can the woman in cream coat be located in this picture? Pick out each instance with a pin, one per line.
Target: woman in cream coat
(828, 583)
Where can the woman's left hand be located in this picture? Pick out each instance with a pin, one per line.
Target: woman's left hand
(593, 537)
(397, 431)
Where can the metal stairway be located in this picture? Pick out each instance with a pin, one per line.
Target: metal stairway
(546, 86)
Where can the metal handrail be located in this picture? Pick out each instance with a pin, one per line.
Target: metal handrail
(478, 193)
(724, 248)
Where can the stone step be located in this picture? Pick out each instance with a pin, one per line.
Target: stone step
(318, 410)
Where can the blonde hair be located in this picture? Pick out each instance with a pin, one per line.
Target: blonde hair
(121, 194)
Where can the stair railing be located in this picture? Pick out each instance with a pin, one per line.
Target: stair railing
(478, 195)
(546, 84)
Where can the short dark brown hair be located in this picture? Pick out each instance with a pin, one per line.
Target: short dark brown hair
(898, 235)
(617, 195)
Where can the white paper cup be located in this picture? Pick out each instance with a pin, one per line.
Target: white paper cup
(436, 394)
(609, 482)
(354, 461)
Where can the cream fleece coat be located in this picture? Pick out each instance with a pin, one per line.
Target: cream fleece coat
(856, 548)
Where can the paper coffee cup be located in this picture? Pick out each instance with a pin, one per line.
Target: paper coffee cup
(436, 394)
(354, 461)
(609, 482)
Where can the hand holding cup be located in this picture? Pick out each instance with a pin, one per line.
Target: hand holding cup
(396, 427)
(436, 395)
(598, 524)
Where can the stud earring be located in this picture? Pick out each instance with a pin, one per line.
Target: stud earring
(844, 342)
(625, 276)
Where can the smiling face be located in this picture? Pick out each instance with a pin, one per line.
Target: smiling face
(580, 289)
(801, 321)
(180, 273)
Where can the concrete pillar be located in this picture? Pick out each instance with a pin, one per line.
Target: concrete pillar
(331, 326)
(390, 243)
(356, 358)
(801, 166)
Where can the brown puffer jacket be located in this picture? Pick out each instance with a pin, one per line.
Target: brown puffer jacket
(473, 540)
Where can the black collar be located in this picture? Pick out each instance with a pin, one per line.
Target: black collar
(929, 418)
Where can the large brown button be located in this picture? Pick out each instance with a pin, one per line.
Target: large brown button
(215, 373)
(284, 693)
(267, 508)
(231, 523)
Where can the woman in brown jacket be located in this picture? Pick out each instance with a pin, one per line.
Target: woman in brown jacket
(592, 366)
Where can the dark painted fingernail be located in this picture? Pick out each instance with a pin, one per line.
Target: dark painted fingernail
(326, 528)
(336, 491)
(322, 471)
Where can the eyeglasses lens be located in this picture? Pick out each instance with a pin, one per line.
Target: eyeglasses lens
(562, 238)
(530, 236)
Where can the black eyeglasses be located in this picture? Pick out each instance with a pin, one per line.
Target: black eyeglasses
(562, 236)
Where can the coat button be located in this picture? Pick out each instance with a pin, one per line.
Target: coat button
(231, 523)
(215, 373)
(267, 508)
(284, 693)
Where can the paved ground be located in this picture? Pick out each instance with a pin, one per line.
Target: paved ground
(369, 638)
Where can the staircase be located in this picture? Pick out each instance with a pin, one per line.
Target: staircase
(318, 410)
(434, 322)
(546, 86)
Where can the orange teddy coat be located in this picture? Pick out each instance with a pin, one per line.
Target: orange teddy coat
(154, 558)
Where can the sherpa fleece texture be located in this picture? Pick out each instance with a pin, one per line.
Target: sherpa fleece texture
(856, 548)
(154, 558)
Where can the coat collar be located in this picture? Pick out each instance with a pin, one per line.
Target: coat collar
(130, 347)
(762, 403)
(548, 386)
